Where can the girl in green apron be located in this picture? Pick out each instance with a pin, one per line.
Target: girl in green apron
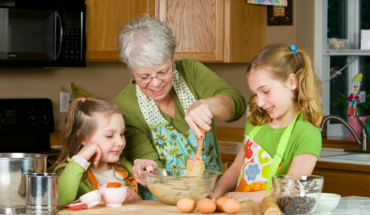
(280, 136)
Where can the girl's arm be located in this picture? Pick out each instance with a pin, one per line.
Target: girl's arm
(229, 180)
(69, 180)
(303, 164)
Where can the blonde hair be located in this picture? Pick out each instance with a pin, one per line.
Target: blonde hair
(282, 62)
(81, 125)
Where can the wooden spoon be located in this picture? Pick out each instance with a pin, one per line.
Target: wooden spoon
(196, 166)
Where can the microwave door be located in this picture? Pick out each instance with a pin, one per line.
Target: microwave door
(58, 35)
(28, 35)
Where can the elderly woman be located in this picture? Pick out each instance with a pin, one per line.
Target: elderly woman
(166, 102)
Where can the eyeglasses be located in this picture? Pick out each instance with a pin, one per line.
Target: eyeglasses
(160, 76)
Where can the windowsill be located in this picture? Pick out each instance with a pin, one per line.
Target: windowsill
(347, 53)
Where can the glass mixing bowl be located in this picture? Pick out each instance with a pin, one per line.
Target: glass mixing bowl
(297, 194)
(170, 185)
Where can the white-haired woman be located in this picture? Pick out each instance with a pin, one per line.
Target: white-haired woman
(167, 102)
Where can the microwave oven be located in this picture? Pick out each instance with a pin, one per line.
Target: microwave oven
(42, 33)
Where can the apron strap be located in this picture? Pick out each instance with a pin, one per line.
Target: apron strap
(254, 131)
(279, 153)
(130, 180)
(93, 180)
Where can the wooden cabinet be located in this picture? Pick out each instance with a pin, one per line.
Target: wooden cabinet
(104, 20)
(245, 30)
(198, 27)
(206, 30)
(215, 30)
(344, 179)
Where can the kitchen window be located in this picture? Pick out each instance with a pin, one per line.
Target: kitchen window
(342, 20)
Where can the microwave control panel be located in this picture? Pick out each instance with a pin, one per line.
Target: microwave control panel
(73, 36)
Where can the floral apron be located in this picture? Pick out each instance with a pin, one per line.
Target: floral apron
(174, 148)
(258, 166)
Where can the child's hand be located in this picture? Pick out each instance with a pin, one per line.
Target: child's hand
(141, 165)
(132, 195)
(89, 150)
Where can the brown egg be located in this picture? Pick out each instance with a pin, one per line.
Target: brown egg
(186, 205)
(231, 206)
(220, 201)
(206, 206)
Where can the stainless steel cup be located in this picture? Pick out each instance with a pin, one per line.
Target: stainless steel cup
(42, 193)
(13, 167)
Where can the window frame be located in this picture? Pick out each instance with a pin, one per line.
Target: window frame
(322, 54)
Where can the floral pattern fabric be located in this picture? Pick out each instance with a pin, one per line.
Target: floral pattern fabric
(256, 166)
(254, 172)
(150, 110)
(174, 148)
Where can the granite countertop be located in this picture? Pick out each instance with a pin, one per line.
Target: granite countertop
(353, 205)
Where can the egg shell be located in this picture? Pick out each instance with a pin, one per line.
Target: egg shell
(220, 201)
(231, 206)
(206, 206)
(186, 205)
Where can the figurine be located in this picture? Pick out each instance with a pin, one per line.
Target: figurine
(354, 97)
(336, 44)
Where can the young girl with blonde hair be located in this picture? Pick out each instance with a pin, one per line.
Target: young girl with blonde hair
(280, 136)
(93, 132)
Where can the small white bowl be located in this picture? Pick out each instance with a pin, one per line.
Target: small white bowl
(114, 197)
(328, 201)
(91, 199)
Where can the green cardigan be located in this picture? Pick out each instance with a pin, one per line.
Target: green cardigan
(202, 82)
(70, 186)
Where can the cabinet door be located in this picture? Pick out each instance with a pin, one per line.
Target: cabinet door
(104, 20)
(245, 30)
(198, 27)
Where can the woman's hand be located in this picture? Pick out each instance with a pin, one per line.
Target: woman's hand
(141, 165)
(89, 151)
(132, 195)
(199, 115)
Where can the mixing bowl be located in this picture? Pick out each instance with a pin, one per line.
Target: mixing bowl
(170, 185)
(297, 194)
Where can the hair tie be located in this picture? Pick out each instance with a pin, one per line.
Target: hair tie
(83, 99)
(294, 49)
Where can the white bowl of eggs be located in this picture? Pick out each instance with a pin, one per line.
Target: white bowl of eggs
(327, 202)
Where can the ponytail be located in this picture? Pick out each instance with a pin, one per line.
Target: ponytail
(282, 62)
(309, 90)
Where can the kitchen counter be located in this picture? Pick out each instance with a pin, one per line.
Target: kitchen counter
(347, 205)
(340, 169)
(141, 207)
(351, 205)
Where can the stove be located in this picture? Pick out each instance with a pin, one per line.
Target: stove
(25, 125)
